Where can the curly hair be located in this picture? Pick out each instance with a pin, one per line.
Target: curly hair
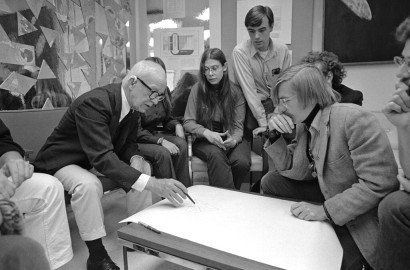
(329, 62)
(403, 31)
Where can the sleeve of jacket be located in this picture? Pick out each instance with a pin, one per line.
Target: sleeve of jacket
(240, 109)
(374, 164)
(243, 73)
(190, 121)
(93, 118)
(6, 141)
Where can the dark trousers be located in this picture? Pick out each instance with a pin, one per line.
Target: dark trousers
(166, 165)
(393, 249)
(280, 186)
(226, 169)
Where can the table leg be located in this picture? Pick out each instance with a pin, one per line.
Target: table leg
(125, 256)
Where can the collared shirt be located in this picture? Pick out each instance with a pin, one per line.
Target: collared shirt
(125, 109)
(257, 75)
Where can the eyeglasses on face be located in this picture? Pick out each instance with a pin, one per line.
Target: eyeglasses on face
(213, 68)
(399, 61)
(283, 103)
(154, 94)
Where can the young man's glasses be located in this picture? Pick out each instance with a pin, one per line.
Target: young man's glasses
(283, 104)
(398, 60)
(154, 94)
(214, 69)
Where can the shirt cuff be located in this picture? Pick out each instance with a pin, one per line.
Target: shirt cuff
(141, 182)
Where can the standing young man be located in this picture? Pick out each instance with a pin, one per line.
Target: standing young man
(257, 63)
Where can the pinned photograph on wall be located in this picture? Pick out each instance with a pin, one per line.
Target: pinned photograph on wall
(17, 53)
(45, 72)
(17, 83)
(50, 35)
(48, 105)
(35, 6)
(24, 26)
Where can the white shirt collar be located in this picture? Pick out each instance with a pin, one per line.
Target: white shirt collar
(125, 106)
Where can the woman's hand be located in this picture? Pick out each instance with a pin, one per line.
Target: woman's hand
(258, 131)
(172, 148)
(230, 142)
(179, 131)
(215, 138)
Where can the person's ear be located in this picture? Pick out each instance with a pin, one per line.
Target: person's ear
(225, 67)
(329, 77)
(132, 81)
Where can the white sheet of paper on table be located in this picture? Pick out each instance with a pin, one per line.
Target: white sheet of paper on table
(254, 227)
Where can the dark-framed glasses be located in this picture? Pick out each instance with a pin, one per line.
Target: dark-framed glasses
(154, 94)
(214, 68)
(399, 61)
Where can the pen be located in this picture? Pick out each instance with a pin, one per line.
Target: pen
(189, 197)
(146, 226)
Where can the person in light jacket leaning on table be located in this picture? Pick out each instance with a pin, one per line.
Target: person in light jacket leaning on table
(341, 159)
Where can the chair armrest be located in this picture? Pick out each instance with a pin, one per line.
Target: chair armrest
(189, 144)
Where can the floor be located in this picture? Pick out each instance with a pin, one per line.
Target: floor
(114, 206)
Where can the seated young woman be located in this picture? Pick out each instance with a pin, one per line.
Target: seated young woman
(214, 115)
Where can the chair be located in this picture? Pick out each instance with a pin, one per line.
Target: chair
(197, 167)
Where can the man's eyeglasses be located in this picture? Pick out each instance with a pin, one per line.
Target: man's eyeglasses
(398, 60)
(214, 69)
(154, 94)
(283, 104)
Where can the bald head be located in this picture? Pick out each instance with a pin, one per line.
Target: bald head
(150, 72)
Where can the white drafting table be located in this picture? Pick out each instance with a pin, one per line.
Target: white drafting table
(250, 227)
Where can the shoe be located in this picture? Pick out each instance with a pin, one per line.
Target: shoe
(103, 264)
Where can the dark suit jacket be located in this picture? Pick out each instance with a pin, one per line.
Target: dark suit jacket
(349, 95)
(90, 135)
(6, 141)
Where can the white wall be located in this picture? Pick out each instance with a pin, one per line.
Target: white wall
(376, 81)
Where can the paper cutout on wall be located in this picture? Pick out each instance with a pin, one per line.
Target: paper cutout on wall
(117, 30)
(87, 75)
(74, 88)
(53, 2)
(125, 13)
(45, 72)
(75, 15)
(24, 26)
(35, 6)
(87, 8)
(77, 2)
(17, 83)
(100, 20)
(66, 59)
(79, 35)
(78, 61)
(48, 105)
(50, 35)
(89, 57)
(112, 74)
(4, 38)
(62, 10)
(16, 53)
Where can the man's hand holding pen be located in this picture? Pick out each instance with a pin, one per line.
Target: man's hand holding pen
(170, 189)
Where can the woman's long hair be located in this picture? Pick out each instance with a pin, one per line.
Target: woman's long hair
(210, 98)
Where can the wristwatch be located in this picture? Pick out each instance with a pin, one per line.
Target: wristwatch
(160, 140)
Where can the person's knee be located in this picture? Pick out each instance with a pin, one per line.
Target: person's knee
(394, 205)
(267, 182)
(243, 164)
(161, 155)
(89, 187)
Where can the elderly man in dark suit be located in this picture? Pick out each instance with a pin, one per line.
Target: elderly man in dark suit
(341, 159)
(100, 131)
